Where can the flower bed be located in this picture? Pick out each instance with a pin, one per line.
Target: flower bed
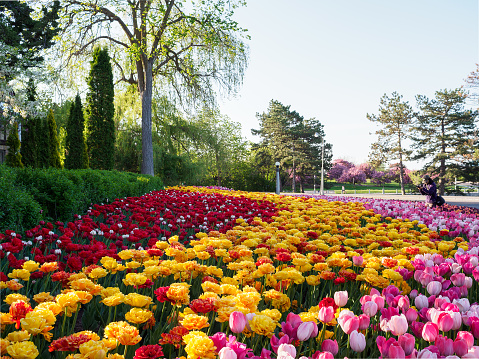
(201, 273)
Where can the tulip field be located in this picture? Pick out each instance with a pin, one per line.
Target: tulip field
(196, 272)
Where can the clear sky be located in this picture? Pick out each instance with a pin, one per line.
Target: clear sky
(334, 59)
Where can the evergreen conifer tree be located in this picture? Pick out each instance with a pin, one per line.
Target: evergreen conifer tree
(13, 158)
(29, 135)
(53, 143)
(76, 150)
(43, 141)
(100, 112)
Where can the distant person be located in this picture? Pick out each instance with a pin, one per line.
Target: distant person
(429, 189)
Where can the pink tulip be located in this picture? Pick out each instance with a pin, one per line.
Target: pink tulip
(349, 324)
(434, 287)
(430, 331)
(458, 279)
(407, 342)
(358, 261)
(237, 322)
(396, 351)
(403, 303)
(460, 347)
(341, 298)
(357, 341)
(370, 308)
(326, 314)
(287, 349)
(378, 300)
(445, 322)
(305, 330)
(331, 346)
(227, 353)
(413, 294)
(421, 302)
(411, 315)
(444, 344)
(364, 321)
(467, 336)
(398, 324)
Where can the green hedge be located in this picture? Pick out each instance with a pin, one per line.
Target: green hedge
(28, 195)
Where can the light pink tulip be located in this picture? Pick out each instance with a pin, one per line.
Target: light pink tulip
(426, 354)
(398, 324)
(430, 331)
(305, 330)
(421, 302)
(287, 349)
(457, 319)
(463, 304)
(237, 322)
(358, 261)
(370, 308)
(357, 341)
(326, 314)
(227, 353)
(434, 287)
(468, 282)
(341, 298)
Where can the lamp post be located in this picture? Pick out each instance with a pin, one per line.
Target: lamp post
(278, 186)
(322, 169)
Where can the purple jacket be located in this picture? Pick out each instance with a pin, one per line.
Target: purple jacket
(430, 191)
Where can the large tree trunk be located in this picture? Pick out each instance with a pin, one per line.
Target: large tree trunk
(147, 166)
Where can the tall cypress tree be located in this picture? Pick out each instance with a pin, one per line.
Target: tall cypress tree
(29, 135)
(53, 143)
(43, 141)
(76, 150)
(14, 158)
(100, 112)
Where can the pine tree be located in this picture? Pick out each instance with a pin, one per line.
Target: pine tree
(76, 150)
(445, 134)
(53, 143)
(29, 135)
(100, 112)
(14, 158)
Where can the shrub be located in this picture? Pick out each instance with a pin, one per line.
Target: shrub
(59, 194)
(18, 208)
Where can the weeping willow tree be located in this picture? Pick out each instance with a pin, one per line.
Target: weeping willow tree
(193, 48)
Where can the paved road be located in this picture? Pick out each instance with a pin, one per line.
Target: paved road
(467, 201)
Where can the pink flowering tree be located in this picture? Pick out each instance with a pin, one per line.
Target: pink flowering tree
(339, 166)
(353, 175)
